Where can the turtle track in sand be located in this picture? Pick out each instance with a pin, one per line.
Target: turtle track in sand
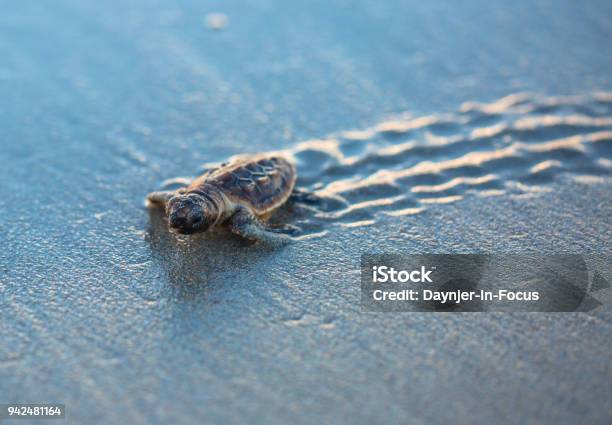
(515, 146)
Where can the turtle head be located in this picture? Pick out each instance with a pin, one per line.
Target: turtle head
(190, 213)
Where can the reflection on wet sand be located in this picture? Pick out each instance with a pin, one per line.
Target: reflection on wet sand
(194, 265)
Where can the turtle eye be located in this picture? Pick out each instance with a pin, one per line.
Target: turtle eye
(171, 203)
(195, 216)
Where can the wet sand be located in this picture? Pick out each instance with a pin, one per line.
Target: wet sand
(421, 134)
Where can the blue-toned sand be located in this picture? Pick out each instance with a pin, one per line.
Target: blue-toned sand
(484, 126)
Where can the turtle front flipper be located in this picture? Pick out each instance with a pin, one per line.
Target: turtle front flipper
(159, 198)
(245, 224)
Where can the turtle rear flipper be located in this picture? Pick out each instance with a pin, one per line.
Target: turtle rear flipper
(304, 197)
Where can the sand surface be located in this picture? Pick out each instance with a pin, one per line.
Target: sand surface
(426, 127)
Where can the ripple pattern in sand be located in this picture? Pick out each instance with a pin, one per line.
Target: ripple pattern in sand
(515, 146)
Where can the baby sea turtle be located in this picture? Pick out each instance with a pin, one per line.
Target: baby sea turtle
(239, 194)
